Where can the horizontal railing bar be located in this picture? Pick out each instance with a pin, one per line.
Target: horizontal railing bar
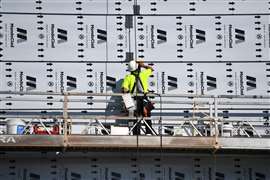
(191, 102)
(157, 109)
(133, 118)
(149, 94)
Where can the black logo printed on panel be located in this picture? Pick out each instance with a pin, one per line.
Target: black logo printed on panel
(211, 83)
(71, 83)
(21, 35)
(61, 35)
(251, 83)
(31, 83)
(75, 176)
(200, 36)
(220, 176)
(161, 36)
(172, 83)
(239, 36)
(101, 36)
(111, 82)
(116, 176)
(179, 175)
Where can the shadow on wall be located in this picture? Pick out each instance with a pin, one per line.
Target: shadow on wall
(115, 105)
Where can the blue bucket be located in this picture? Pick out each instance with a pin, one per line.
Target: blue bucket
(20, 129)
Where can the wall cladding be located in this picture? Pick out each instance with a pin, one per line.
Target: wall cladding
(193, 78)
(151, 7)
(168, 78)
(121, 38)
(208, 47)
(205, 38)
(128, 166)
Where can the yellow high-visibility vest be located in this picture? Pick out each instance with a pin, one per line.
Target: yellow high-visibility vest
(130, 79)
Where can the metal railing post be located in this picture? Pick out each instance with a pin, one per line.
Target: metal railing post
(211, 118)
(65, 118)
(216, 123)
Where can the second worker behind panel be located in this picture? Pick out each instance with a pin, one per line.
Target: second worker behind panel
(137, 83)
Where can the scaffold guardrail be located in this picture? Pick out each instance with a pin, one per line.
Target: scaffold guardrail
(204, 119)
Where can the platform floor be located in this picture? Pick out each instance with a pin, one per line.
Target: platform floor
(86, 142)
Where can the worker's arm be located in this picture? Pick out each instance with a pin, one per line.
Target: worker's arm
(125, 85)
(141, 64)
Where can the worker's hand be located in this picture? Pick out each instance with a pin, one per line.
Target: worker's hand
(150, 67)
(140, 62)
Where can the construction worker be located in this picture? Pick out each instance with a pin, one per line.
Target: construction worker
(137, 83)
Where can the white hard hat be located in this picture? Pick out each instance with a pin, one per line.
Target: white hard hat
(132, 65)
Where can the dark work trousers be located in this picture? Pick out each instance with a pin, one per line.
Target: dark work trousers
(139, 114)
